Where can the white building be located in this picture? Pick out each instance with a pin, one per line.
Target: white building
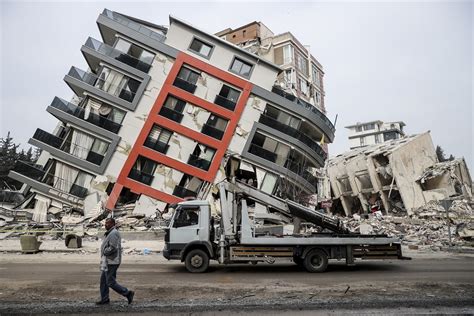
(374, 132)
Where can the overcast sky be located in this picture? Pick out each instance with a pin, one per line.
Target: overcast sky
(390, 61)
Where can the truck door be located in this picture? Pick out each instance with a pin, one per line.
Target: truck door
(186, 225)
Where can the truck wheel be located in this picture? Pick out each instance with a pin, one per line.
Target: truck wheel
(197, 261)
(316, 261)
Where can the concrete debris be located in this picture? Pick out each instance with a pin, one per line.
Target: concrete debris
(426, 228)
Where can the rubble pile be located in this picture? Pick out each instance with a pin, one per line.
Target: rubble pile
(426, 228)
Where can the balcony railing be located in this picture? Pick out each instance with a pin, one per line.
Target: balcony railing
(212, 131)
(171, 114)
(28, 170)
(118, 55)
(92, 80)
(133, 25)
(262, 152)
(94, 158)
(183, 84)
(48, 138)
(271, 122)
(183, 192)
(140, 176)
(65, 146)
(156, 145)
(79, 112)
(199, 162)
(305, 105)
(224, 102)
(301, 170)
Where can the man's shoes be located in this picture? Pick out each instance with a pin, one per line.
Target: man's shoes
(102, 302)
(130, 296)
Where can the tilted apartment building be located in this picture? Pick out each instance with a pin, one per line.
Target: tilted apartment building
(165, 113)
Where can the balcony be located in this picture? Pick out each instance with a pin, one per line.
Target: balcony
(183, 192)
(224, 102)
(271, 122)
(107, 50)
(133, 25)
(262, 153)
(183, 84)
(48, 138)
(199, 162)
(47, 183)
(64, 146)
(141, 176)
(171, 114)
(156, 145)
(307, 106)
(79, 112)
(212, 131)
(91, 80)
(301, 170)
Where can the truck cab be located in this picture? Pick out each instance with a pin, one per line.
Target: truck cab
(189, 236)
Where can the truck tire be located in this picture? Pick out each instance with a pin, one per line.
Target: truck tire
(197, 261)
(316, 261)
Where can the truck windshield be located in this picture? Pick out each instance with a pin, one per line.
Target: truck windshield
(186, 217)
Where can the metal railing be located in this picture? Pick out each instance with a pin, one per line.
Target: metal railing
(156, 145)
(66, 146)
(185, 85)
(93, 80)
(224, 102)
(262, 153)
(199, 162)
(133, 25)
(171, 114)
(79, 112)
(275, 124)
(212, 131)
(305, 105)
(183, 192)
(118, 55)
(141, 176)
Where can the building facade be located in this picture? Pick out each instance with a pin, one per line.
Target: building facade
(374, 132)
(163, 114)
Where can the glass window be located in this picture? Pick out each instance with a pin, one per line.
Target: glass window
(287, 54)
(122, 45)
(186, 217)
(229, 93)
(268, 183)
(100, 147)
(159, 134)
(188, 75)
(175, 104)
(217, 122)
(316, 78)
(200, 47)
(241, 67)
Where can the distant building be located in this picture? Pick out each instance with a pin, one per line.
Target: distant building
(375, 132)
(302, 74)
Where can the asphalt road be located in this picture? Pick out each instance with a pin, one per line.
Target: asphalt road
(426, 284)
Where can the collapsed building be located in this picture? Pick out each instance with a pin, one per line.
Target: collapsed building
(401, 175)
(165, 113)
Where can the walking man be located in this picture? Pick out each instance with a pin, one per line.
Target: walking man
(111, 257)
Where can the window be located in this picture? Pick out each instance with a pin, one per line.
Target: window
(301, 64)
(200, 47)
(241, 67)
(188, 75)
(269, 149)
(268, 183)
(158, 139)
(368, 127)
(316, 78)
(377, 138)
(186, 217)
(287, 54)
(201, 157)
(188, 186)
(359, 128)
(143, 170)
(303, 86)
(117, 84)
(390, 136)
(282, 117)
(362, 141)
(214, 127)
(227, 97)
(173, 109)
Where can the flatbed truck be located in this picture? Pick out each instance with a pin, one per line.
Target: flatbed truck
(194, 238)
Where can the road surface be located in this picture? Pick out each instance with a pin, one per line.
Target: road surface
(64, 283)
